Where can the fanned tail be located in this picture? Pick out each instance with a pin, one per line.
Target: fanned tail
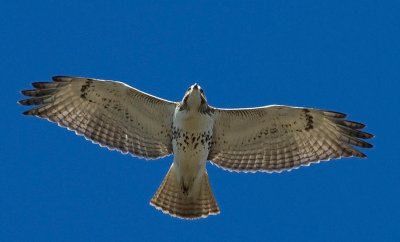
(171, 200)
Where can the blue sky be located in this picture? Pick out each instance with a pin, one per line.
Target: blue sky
(336, 55)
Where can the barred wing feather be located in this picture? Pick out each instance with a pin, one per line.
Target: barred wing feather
(276, 138)
(109, 113)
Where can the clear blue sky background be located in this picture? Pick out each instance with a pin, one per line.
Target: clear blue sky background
(336, 55)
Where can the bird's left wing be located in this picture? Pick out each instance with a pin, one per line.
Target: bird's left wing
(109, 113)
(276, 138)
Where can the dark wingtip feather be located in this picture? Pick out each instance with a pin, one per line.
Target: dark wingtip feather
(40, 92)
(25, 102)
(368, 135)
(28, 112)
(367, 145)
(26, 92)
(62, 78)
(34, 101)
(348, 123)
(354, 125)
(58, 78)
(40, 84)
(361, 134)
(361, 155)
(334, 114)
(32, 93)
(355, 142)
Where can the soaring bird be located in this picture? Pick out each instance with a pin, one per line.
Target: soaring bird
(264, 139)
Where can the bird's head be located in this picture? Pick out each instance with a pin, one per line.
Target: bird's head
(194, 98)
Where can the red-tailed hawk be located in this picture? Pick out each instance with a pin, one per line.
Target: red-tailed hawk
(268, 139)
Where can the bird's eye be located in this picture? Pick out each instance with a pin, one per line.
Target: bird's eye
(201, 90)
(188, 89)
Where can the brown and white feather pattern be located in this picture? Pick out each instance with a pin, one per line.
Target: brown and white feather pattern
(109, 113)
(271, 138)
(276, 138)
(170, 199)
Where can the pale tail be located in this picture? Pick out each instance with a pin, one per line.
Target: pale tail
(170, 199)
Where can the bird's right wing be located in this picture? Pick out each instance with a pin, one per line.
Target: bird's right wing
(109, 113)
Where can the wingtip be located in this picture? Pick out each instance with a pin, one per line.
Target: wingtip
(24, 102)
(28, 113)
(368, 135)
(28, 93)
(362, 155)
(358, 125)
(40, 84)
(334, 114)
(368, 145)
(58, 78)
(62, 78)
(353, 124)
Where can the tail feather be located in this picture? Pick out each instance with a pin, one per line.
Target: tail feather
(171, 200)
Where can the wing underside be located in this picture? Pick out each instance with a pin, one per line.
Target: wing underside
(108, 113)
(277, 138)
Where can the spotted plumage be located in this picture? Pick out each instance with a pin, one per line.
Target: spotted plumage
(268, 139)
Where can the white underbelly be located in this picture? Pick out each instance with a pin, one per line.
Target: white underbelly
(191, 143)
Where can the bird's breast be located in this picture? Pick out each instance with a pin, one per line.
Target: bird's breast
(191, 142)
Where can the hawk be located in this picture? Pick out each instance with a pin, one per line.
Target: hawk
(272, 138)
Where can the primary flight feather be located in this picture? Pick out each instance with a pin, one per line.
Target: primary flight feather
(269, 139)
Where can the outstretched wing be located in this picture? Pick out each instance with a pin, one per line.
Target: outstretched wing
(276, 138)
(109, 113)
